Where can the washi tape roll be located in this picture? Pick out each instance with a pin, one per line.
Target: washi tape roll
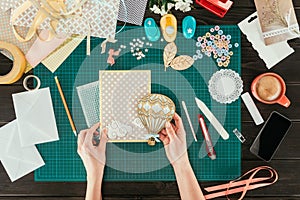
(19, 63)
(38, 82)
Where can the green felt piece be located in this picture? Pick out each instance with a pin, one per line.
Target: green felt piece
(138, 161)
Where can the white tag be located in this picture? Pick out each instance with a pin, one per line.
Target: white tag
(256, 116)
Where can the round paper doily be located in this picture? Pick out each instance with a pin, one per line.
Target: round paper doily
(225, 86)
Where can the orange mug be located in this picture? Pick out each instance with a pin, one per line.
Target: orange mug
(281, 99)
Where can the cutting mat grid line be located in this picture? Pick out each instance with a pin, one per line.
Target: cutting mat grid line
(62, 161)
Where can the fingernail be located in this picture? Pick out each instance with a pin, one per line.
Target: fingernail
(168, 125)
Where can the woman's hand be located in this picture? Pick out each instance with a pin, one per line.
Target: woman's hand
(174, 140)
(93, 157)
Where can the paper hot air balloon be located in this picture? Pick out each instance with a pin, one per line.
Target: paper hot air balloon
(154, 110)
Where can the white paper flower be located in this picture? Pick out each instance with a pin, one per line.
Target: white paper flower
(186, 8)
(155, 9)
(163, 11)
(182, 5)
(178, 4)
(170, 6)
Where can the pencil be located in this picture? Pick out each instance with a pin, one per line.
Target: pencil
(65, 105)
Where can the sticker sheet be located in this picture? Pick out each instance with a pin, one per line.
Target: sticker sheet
(119, 95)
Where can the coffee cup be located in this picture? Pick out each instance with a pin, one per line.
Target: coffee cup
(269, 88)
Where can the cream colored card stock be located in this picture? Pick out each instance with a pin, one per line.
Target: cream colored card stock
(119, 95)
(56, 58)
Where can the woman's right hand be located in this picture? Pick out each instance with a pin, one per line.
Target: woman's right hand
(174, 140)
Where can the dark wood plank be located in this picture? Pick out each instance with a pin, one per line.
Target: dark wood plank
(5, 67)
(287, 185)
(286, 160)
(154, 197)
(287, 149)
(7, 113)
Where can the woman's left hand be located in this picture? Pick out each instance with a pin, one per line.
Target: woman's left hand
(93, 157)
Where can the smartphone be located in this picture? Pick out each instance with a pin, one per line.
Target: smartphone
(270, 136)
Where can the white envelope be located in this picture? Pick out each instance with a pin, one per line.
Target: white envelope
(5, 137)
(17, 161)
(35, 115)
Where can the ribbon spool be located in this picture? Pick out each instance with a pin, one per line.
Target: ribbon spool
(19, 64)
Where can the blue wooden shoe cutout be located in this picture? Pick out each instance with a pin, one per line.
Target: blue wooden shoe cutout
(188, 27)
(151, 29)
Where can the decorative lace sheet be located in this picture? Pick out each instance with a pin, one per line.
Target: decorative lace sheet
(89, 99)
(134, 11)
(225, 86)
(101, 16)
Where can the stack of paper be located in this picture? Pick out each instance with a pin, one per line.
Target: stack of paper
(35, 124)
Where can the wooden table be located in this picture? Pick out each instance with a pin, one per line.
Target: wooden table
(286, 160)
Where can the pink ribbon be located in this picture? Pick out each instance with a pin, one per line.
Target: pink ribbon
(248, 184)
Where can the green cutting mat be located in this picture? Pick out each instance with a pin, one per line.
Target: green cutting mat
(138, 161)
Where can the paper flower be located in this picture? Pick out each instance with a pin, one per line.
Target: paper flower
(183, 6)
(163, 7)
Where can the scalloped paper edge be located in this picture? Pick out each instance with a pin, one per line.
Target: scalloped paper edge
(214, 96)
(269, 54)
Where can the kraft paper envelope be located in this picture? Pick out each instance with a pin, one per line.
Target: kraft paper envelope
(17, 161)
(35, 115)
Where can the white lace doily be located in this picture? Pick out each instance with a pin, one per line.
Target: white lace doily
(225, 86)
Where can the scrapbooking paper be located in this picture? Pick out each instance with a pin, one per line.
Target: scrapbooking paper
(7, 35)
(270, 54)
(40, 49)
(89, 100)
(97, 17)
(278, 20)
(119, 95)
(133, 12)
(17, 161)
(59, 55)
(35, 115)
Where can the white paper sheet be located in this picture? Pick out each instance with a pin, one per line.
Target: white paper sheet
(35, 115)
(17, 161)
